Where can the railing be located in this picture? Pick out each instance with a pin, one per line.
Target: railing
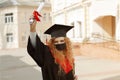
(107, 42)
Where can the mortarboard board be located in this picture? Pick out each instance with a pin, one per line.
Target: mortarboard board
(58, 30)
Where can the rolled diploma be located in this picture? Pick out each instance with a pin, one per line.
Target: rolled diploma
(40, 7)
(38, 10)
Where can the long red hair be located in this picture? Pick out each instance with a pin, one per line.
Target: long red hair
(67, 53)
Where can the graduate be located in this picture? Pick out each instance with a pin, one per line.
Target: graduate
(56, 58)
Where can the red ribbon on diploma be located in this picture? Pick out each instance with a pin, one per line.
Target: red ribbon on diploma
(37, 15)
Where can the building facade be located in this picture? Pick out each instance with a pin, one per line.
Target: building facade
(92, 19)
(14, 24)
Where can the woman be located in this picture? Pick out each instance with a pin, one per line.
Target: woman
(55, 58)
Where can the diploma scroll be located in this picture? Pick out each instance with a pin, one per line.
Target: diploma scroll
(36, 13)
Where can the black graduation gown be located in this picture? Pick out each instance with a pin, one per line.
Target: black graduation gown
(43, 57)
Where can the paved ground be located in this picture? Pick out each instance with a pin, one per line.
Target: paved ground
(16, 64)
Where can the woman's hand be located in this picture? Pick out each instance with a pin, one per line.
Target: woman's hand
(33, 23)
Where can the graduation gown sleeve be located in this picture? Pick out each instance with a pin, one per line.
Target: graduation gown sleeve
(37, 52)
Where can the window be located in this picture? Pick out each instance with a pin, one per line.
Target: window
(49, 16)
(9, 18)
(23, 38)
(77, 30)
(44, 16)
(9, 37)
(73, 30)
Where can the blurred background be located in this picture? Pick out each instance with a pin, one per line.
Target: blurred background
(96, 35)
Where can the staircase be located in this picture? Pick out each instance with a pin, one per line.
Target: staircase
(107, 49)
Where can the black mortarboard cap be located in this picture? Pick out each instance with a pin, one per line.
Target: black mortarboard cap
(58, 30)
